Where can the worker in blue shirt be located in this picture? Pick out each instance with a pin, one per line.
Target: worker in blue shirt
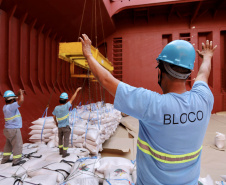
(13, 124)
(61, 117)
(172, 125)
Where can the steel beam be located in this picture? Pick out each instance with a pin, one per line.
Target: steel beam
(196, 12)
(10, 15)
(47, 67)
(217, 6)
(30, 55)
(21, 44)
(40, 66)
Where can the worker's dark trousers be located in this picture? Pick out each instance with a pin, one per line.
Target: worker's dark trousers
(14, 143)
(64, 134)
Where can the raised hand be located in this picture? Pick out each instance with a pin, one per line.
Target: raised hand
(207, 50)
(86, 45)
(78, 89)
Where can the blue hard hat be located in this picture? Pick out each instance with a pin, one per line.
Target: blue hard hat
(8, 94)
(180, 53)
(64, 95)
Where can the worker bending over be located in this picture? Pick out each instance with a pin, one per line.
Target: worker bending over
(172, 125)
(61, 117)
(13, 124)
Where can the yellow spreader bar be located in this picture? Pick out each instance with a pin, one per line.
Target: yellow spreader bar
(72, 52)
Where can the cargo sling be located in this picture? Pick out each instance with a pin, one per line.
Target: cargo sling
(63, 118)
(167, 158)
(11, 118)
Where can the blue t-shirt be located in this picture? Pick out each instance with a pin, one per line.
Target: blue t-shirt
(62, 114)
(12, 116)
(173, 124)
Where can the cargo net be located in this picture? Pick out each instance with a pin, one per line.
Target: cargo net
(91, 125)
(44, 166)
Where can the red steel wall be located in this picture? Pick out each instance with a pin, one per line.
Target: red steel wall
(29, 60)
(143, 39)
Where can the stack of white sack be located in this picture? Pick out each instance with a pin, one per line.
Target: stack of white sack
(36, 130)
(116, 170)
(93, 124)
(83, 172)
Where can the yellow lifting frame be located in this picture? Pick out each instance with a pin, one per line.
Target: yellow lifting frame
(72, 52)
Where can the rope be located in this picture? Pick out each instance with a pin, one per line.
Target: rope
(82, 19)
(96, 92)
(102, 25)
(46, 111)
(30, 155)
(58, 170)
(87, 126)
(89, 90)
(92, 19)
(67, 162)
(100, 93)
(73, 123)
(104, 95)
(98, 119)
(95, 16)
(82, 91)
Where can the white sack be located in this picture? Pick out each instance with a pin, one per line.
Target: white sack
(92, 134)
(119, 172)
(40, 121)
(82, 181)
(42, 179)
(51, 144)
(219, 140)
(79, 130)
(206, 181)
(39, 127)
(40, 131)
(107, 163)
(93, 149)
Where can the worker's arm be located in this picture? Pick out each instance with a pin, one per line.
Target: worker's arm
(54, 117)
(205, 68)
(20, 97)
(74, 95)
(101, 74)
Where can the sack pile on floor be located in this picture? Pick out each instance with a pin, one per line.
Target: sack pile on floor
(91, 125)
(37, 134)
(45, 166)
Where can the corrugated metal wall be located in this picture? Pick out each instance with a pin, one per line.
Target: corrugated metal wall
(145, 35)
(29, 60)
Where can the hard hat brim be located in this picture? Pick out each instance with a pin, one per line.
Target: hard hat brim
(12, 97)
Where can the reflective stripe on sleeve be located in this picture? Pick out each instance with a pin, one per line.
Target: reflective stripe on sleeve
(17, 156)
(167, 158)
(16, 116)
(7, 154)
(63, 118)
